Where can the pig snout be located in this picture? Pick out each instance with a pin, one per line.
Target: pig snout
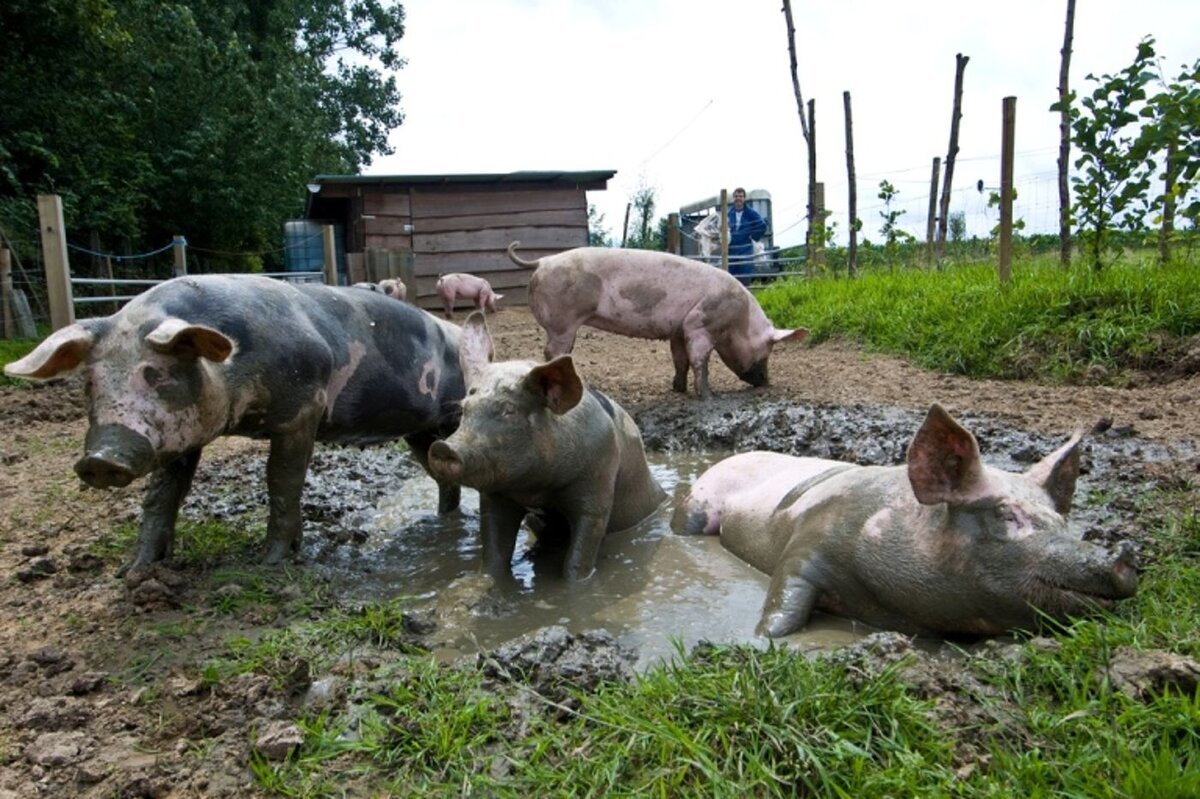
(756, 375)
(444, 462)
(114, 457)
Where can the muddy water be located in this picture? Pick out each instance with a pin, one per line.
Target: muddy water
(652, 589)
(371, 527)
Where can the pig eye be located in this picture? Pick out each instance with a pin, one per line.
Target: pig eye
(152, 376)
(472, 392)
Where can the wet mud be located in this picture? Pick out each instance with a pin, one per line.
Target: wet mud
(372, 529)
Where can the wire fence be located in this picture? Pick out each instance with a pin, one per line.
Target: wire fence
(101, 282)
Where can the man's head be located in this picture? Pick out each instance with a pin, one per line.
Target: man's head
(739, 198)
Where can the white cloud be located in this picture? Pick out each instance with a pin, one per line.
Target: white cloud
(690, 97)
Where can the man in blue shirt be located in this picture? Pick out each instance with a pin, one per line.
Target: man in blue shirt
(746, 226)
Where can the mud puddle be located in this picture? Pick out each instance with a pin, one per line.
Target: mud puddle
(372, 532)
(653, 590)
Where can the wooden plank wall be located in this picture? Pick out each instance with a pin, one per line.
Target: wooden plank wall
(466, 228)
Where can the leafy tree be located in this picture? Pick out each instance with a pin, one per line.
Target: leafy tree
(958, 226)
(645, 234)
(598, 235)
(204, 119)
(1124, 136)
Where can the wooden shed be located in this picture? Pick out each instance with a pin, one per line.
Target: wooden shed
(421, 226)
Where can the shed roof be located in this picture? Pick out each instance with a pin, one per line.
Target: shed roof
(501, 177)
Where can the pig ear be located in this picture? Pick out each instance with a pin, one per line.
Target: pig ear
(558, 382)
(61, 352)
(789, 335)
(475, 349)
(1057, 473)
(943, 460)
(177, 337)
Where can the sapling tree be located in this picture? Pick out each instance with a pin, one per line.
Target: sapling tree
(1125, 135)
(893, 236)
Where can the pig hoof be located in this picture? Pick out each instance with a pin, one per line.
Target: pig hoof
(278, 552)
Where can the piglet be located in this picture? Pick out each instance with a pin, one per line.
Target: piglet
(534, 439)
(460, 286)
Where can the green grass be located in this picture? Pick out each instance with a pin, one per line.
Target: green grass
(732, 721)
(1047, 323)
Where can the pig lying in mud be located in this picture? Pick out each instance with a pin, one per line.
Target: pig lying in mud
(943, 545)
(459, 286)
(200, 357)
(655, 295)
(535, 440)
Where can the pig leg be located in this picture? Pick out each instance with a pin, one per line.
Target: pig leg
(499, 521)
(588, 515)
(448, 305)
(680, 356)
(287, 464)
(160, 510)
(698, 350)
(449, 494)
(790, 601)
(587, 533)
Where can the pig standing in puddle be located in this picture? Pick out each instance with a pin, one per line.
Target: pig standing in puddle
(943, 545)
(655, 295)
(534, 438)
(200, 357)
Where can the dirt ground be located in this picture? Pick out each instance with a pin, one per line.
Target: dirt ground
(85, 709)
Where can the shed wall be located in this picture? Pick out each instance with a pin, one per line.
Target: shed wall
(464, 228)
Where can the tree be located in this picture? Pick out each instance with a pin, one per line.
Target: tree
(204, 119)
(598, 235)
(893, 236)
(1125, 136)
(645, 234)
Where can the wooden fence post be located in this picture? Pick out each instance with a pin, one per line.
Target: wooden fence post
(931, 225)
(54, 256)
(1009, 126)
(725, 229)
(960, 66)
(179, 268)
(852, 253)
(673, 238)
(331, 276)
(817, 252)
(6, 289)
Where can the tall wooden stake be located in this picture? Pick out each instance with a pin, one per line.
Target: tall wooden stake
(1008, 133)
(852, 191)
(6, 290)
(807, 124)
(1064, 142)
(931, 225)
(960, 62)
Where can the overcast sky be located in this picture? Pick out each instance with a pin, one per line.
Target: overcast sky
(692, 96)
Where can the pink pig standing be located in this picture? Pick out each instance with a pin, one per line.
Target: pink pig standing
(656, 295)
(459, 285)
